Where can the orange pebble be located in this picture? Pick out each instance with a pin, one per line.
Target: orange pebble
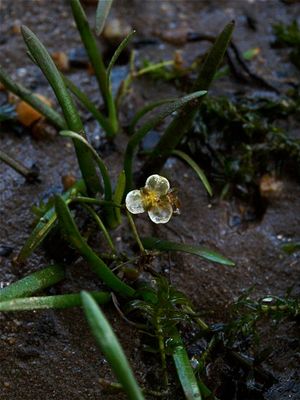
(269, 186)
(68, 181)
(27, 115)
(61, 60)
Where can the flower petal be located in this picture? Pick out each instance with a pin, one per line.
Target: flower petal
(134, 202)
(158, 183)
(161, 214)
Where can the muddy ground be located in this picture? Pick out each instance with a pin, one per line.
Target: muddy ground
(52, 355)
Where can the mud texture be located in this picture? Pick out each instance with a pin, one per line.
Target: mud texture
(51, 354)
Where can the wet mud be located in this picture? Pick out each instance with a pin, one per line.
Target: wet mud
(51, 354)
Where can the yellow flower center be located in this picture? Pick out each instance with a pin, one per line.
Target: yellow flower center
(150, 198)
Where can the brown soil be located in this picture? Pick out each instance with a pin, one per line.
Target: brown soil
(51, 354)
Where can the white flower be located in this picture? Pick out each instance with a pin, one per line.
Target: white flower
(156, 198)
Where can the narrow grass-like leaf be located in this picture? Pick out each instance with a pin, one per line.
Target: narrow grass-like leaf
(46, 64)
(139, 135)
(195, 167)
(102, 12)
(90, 45)
(118, 195)
(96, 60)
(109, 211)
(147, 108)
(54, 117)
(111, 348)
(46, 223)
(117, 53)
(102, 167)
(86, 102)
(182, 123)
(184, 370)
(33, 283)
(72, 234)
(101, 225)
(152, 243)
(44, 302)
(153, 67)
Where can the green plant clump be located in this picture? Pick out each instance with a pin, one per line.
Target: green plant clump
(158, 310)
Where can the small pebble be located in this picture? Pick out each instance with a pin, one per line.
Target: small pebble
(68, 181)
(5, 251)
(16, 27)
(41, 130)
(116, 30)
(61, 60)
(270, 187)
(26, 114)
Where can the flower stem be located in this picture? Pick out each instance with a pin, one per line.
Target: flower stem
(102, 227)
(90, 200)
(135, 232)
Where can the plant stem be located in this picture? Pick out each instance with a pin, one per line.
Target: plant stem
(29, 174)
(135, 232)
(102, 227)
(162, 353)
(90, 200)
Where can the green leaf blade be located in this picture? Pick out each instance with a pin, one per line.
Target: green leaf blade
(46, 64)
(182, 123)
(110, 346)
(184, 370)
(72, 234)
(54, 117)
(141, 133)
(152, 243)
(117, 53)
(33, 283)
(196, 168)
(119, 194)
(54, 302)
(47, 223)
(102, 12)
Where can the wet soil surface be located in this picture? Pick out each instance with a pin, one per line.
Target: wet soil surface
(52, 355)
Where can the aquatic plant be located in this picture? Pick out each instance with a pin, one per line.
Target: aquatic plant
(289, 36)
(162, 306)
(240, 140)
